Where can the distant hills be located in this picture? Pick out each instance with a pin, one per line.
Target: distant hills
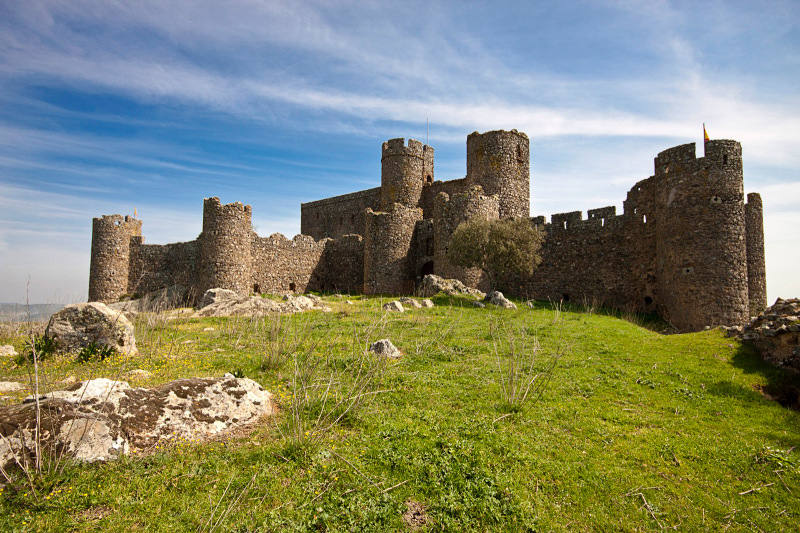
(14, 312)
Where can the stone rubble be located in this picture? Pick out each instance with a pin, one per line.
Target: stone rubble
(433, 284)
(775, 333)
(228, 303)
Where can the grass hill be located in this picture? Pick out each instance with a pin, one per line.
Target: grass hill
(634, 431)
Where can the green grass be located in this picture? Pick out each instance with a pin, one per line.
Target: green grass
(636, 431)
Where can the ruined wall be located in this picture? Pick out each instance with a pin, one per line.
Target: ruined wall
(701, 264)
(422, 250)
(225, 257)
(499, 161)
(155, 266)
(387, 246)
(449, 212)
(339, 215)
(281, 265)
(756, 267)
(431, 191)
(109, 268)
(343, 265)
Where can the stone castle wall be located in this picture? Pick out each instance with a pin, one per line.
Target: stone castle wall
(686, 245)
(339, 215)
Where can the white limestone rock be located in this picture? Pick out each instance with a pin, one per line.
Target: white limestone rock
(102, 419)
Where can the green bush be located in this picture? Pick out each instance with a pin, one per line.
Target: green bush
(505, 249)
(94, 350)
(41, 345)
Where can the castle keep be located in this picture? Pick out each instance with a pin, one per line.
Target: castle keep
(687, 245)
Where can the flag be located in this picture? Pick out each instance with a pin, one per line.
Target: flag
(134, 212)
(705, 133)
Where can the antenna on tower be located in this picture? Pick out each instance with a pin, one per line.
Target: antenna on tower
(426, 130)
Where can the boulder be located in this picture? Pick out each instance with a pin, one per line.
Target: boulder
(433, 284)
(102, 419)
(78, 325)
(478, 304)
(497, 298)
(10, 386)
(385, 348)
(138, 373)
(215, 295)
(427, 303)
(775, 333)
(7, 350)
(410, 302)
(394, 306)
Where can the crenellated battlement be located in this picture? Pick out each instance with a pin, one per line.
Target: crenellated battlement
(399, 147)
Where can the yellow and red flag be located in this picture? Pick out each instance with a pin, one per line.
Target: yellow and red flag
(705, 133)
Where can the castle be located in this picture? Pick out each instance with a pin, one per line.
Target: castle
(687, 246)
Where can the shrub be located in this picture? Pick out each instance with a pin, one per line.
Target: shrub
(505, 249)
(94, 350)
(42, 345)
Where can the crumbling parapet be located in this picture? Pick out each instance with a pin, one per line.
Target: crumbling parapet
(387, 247)
(109, 267)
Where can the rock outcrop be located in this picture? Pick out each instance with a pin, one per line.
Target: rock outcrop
(78, 325)
(775, 333)
(102, 419)
(433, 284)
(227, 303)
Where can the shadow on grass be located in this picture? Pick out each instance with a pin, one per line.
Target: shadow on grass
(650, 321)
(782, 386)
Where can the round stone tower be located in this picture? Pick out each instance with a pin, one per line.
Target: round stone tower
(756, 267)
(701, 263)
(404, 171)
(448, 213)
(499, 161)
(387, 243)
(225, 246)
(111, 256)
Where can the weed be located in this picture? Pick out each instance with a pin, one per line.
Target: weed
(95, 351)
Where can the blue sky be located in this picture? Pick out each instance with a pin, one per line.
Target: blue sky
(107, 106)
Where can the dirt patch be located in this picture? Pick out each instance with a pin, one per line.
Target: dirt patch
(416, 515)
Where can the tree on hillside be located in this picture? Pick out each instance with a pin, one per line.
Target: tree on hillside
(506, 250)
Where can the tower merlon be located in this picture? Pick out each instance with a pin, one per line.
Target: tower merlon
(398, 147)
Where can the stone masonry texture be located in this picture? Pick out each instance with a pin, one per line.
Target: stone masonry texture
(686, 245)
